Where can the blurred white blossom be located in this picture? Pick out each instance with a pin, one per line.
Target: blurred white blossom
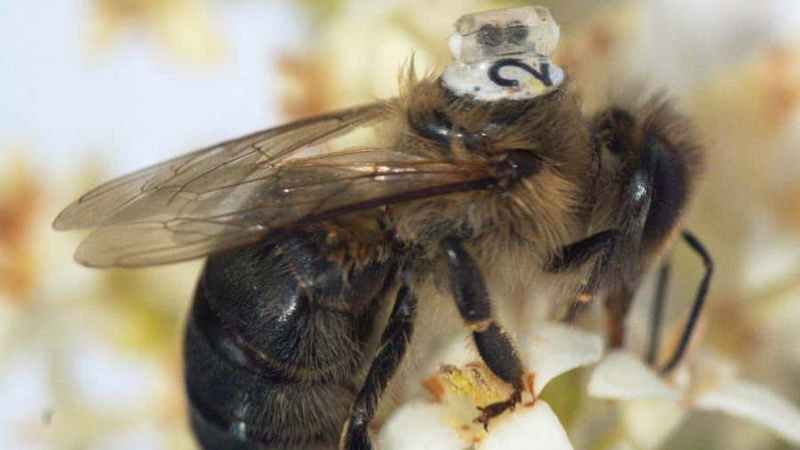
(652, 406)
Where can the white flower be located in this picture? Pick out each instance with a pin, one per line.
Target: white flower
(447, 422)
(653, 407)
(650, 407)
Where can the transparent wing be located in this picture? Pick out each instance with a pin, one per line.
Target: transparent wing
(235, 192)
(224, 163)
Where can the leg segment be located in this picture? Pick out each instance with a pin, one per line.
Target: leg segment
(574, 255)
(475, 307)
(699, 300)
(394, 342)
(617, 305)
(577, 253)
(657, 316)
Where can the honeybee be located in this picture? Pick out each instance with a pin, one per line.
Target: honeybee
(312, 228)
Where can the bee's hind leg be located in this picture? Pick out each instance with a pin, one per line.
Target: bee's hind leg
(394, 343)
(475, 306)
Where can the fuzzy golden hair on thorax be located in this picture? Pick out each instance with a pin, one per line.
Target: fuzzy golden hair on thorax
(541, 212)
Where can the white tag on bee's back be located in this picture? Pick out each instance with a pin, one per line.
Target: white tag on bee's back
(504, 55)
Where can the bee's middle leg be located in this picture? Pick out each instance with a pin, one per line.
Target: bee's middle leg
(475, 306)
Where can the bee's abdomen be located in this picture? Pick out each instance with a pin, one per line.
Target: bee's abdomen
(235, 407)
(274, 341)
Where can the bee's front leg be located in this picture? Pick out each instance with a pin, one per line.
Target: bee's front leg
(699, 300)
(573, 256)
(475, 307)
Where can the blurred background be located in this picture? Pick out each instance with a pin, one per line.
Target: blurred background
(91, 89)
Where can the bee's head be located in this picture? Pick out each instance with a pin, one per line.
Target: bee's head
(656, 161)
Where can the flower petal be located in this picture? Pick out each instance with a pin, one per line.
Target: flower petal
(757, 403)
(624, 445)
(419, 425)
(623, 376)
(648, 423)
(555, 349)
(528, 427)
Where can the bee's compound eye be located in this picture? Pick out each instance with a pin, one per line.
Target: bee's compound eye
(490, 36)
(516, 33)
(523, 163)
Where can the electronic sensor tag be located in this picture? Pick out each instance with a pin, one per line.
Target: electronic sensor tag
(504, 55)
